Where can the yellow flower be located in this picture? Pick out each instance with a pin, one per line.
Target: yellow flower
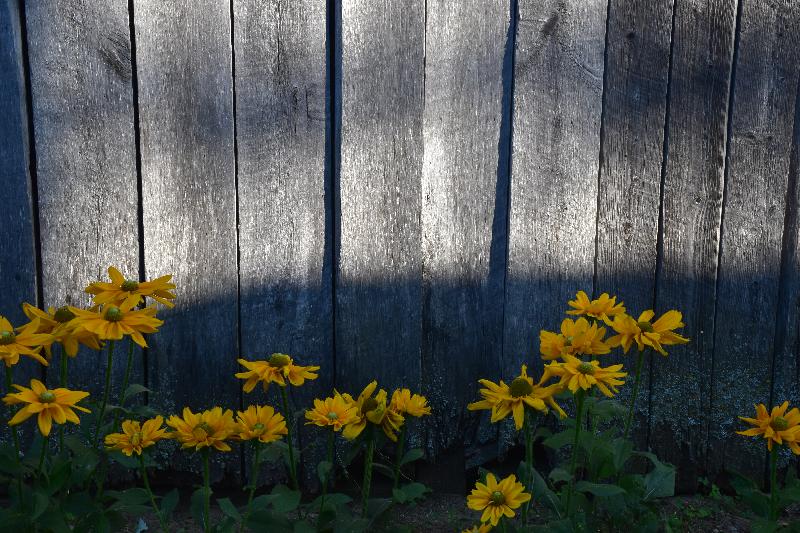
(483, 528)
(203, 430)
(646, 333)
(505, 399)
(575, 374)
(333, 412)
(50, 405)
(59, 324)
(135, 437)
(576, 337)
(278, 369)
(777, 427)
(497, 499)
(128, 292)
(602, 308)
(25, 341)
(406, 403)
(374, 410)
(113, 323)
(261, 422)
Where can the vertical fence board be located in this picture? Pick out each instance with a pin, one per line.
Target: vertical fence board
(558, 91)
(464, 195)
(188, 186)
(637, 70)
(378, 306)
(86, 170)
(692, 208)
(764, 91)
(285, 268)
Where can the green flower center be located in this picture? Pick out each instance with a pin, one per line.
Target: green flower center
(279, 360)
(63, 314)
(647, 327)
(568, 340)
(370, 404)
(205, 427)
(47, 397)
(259, 427)
(779, 424)
(129, 285)
(498, 498)
(7, 337)
(113, 314)
(136, 438)
(586, 368)
(520, 387)
(333, 416)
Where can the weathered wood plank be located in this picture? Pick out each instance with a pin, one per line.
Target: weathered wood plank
(702, 55)
(80, 69)
(558, 88)
(379, 278)
(637, 70)
(765, 84)
(285, 260)
(188, 185)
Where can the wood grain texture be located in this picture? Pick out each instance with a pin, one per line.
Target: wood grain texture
(80, 69)
(637, 70)
(692, 207)
(285, 261)
(466, 130)
(763, 111)
(379, 278)
(558, 88)
(188, 185)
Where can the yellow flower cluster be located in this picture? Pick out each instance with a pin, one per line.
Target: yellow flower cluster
(496, 499)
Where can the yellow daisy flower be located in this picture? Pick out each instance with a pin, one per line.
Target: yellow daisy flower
(406, 403)
(482, 528)
(208, 429)
(602, 308)
(372, 409)
(135, 437)
(113, 323)
(576, 337)
(497, 500)
(646, 333)
(575, 374)
(777, 426)
(24, 341)
(59, 324)
(334, 412)
(278, 369)
(49, 405)
(261, 422)
(128, 292)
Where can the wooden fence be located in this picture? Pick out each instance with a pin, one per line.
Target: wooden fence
(410, 190)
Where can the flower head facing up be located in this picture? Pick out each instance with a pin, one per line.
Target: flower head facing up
(497, 499)
(135, 437)
(778, 426)
(645, 332)
(278, 369)
(50, 405)
(603, 308)
(208, 429)
(576, 337)
(575, 374)
(372, 409)
(113, 323)
(262, 423)
(405, 403)
(23, 341)
(129, 292)
(333, 412)
(60, 325)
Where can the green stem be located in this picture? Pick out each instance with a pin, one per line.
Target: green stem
(14, 430)
(42, 455)
(253, 482)
(206, 493)
(773, 485)
(639, 363)
(63, 385)
(401, 440)
(526, 426)
(578, 423)
(125, 379)
(329, 458)
(289, 421)
(106, 390)
(150, 493)
(365, 488)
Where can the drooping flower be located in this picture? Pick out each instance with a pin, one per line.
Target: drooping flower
(262, 423)
(207, 429)
(113, 323)
(49, 405)
(497, 499)
(24, 341)
(777, 426)
(59, 323)
(372, 409)
(482, 528)
(406, 403)
(334, 412)
(575, 374)
(135, 437)
(646, 333)
(602, 308)
(130, 292)
(576, 337)
(278, 369)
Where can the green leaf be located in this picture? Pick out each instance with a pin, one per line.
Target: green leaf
(414, 491)
(263, 520)
(383, 469)
(559, 474)
(40, 504)
(414, 454)
(324, 470)
(283, 499)
(135, 496)
(604, 490)
(169, 502)
(333, 500)
(377, 506)
(196, 504)
(229, 509)
(763, 526)
(133, 390)
(304, 527)
(541, 492)
(559, 440)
